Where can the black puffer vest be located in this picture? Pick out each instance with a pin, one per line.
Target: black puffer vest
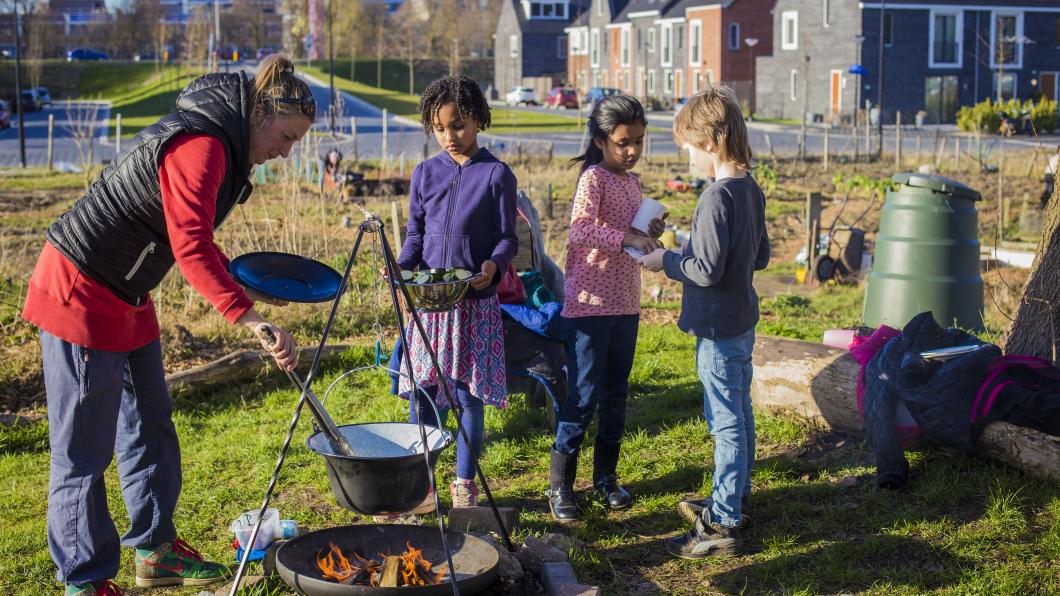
(116, 234)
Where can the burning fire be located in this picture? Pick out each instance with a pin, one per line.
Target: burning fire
(407, 569)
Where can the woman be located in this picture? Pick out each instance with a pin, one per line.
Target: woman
(157, 204)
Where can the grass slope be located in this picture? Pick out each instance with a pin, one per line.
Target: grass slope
(964, 525)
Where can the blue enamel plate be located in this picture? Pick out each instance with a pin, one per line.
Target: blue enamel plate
(285, 276)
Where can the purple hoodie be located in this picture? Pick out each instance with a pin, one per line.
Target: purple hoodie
(461, 215)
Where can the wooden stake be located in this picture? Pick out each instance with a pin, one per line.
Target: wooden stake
(395, 222)
(826, 149)
(51, 139)
(117, 136)
(898, 141)
(957, 153)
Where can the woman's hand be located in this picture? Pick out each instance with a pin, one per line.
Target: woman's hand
(640, 242)
(489, 269)
(278, 342)
(657, 226)
(653, 261)
(256, 296)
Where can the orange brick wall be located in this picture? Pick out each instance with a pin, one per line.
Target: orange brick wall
(710, 43)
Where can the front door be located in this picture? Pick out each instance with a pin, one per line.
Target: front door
(1048, 82)
(679, 90)
(836, 93)
(941, 95)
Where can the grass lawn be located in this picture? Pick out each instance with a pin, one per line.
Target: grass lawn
(964, 525)
(142, 105)
(402, 104)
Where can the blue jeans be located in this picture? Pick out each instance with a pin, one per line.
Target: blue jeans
(724, 367)
(600, 357)
(100, 403)
(473, 420)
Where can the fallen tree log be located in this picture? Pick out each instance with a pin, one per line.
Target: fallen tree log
(818, 383)
(241, 366)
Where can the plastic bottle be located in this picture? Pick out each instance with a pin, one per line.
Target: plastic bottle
(270, 531)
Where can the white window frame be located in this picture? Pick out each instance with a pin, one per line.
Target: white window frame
(623, 45)
(594, 48)
(561, 46)
(958, 33)
(651, 40)
(651, 81)
(785, 18)
(993, 37)
(668, 82)
(695, 42)
(793, 85)
(998, 82)
(695, 82)
(667, 44)
(513, 46)
(734, 28)
(826, 10)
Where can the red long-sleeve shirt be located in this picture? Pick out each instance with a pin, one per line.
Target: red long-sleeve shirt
(70, 305)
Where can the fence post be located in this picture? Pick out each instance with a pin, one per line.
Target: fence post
(117, 136)
(395, 222)
(401, 165)
(548, 209)
(939, 154)
(826, 149)
(1002, 202)
(813, 227)
(386, 138)
(353, 136)
(51, 139)
(957, 153)
(898, 141)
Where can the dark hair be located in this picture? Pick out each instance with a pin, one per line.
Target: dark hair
(461, 90)
(608, 114)
(277, 92)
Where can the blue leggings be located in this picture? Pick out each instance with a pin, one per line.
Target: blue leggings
(473, 420)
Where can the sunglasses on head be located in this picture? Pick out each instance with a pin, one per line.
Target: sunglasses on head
(306, 105)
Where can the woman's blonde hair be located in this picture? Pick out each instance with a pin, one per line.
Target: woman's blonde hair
(714, 115)
(277, 92)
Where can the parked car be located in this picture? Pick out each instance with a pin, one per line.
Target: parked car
(5, 115)
(86, 54)
(562, 97)
(43, 97)
(518, 95)
(29, 102)
(144, 56)
(680, 103)
(263, 52)
(595, 94)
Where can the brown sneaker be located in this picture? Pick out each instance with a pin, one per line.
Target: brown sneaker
(464, 492)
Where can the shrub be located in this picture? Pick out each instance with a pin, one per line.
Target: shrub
(982, 117)
(1043, 115)
(985, 116)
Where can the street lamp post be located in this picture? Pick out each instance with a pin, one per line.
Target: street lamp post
(751, 43)
(331, 70)
(19, 108)
(879, 86)
(858, 40)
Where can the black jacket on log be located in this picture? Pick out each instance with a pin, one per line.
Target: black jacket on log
(116, 234)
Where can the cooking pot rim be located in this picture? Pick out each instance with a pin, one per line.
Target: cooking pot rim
(447, 440)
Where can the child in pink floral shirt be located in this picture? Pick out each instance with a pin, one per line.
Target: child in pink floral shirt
(602, 303)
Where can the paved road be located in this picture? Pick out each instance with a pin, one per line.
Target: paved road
(65, 149)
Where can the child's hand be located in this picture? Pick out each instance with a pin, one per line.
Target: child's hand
(640, 242)
(489, 269)
(653, 261)
(657, 226)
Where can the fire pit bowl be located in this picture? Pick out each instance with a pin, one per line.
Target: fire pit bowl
(387, 473)
(475, 560)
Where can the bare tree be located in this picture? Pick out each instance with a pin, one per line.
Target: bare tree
(38, 39)
(197, 35)
(1036, 326)
(82, 119)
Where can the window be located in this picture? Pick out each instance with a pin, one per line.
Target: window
(651, 82)
(793, 85)
(946, 36)
(575, 42)
(1008, 86)
(680, 37)
(789, 39)
(1006, 34)
(624, 45)
(513, 46)
(695, 33)
(826, 13)
(594, 48)
(695, 82)
(734, 36)
(667, 44)
(888, 29)
(668, 82)
(561, 46)
(547, 9)
(651, 36)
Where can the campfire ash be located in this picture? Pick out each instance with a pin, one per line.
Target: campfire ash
(387, 571)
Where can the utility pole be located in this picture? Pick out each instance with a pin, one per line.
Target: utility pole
(858, 41)
(331, 69)
(216, 31)
(879, 86)
(751, 42)
(18, 90)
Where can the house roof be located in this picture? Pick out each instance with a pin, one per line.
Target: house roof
(636, 6)
(578, 8)
(1050, 4)
(677, 9)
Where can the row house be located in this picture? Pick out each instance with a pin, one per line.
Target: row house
(663, 50)
(530, 45)
(937, 56)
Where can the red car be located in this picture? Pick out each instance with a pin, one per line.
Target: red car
(562, 97)
(5, 115)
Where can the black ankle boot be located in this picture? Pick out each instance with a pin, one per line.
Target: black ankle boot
(562, 471)
(605, 478)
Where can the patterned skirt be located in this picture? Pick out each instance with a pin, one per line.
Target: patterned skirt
(469, 343)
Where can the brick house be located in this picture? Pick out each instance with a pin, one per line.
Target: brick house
(530, 44)
(717, 48)
(938, 55)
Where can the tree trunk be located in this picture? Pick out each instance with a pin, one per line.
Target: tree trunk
(1034, 330)
(818, 383)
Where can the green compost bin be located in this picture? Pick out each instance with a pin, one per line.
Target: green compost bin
(927, 255)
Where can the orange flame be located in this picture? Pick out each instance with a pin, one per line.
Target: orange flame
(414, 570)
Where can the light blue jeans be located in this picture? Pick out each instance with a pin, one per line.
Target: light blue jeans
(724, 367)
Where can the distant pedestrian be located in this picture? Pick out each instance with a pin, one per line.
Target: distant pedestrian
(1051, 170)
